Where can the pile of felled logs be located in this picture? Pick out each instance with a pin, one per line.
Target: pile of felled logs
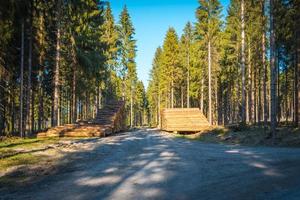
(183, 120)
(110, 119)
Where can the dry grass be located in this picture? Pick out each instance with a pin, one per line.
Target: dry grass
(18, 152)
(23, 160)
(250, 136)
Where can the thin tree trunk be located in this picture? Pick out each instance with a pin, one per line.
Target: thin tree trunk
(56, 114)
(216, 113)
(243, 108)
(297, 68)
(265, 101)
(32, 110)
(158, 111)
(250, 102)
(181, 97)
(172, 93)
(286, 98)
(29, 92)
(74, 104)
(202, 95)
(41, 108)
(188, 81)
(131, 108)
(254, 98)
(260, 113)
(273, 69)
(22, 80)
(209, 85)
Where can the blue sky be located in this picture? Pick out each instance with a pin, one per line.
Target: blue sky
(151, 19)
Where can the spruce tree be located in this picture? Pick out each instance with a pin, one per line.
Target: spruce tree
(170, 61)
(127, 60)
(208, 28)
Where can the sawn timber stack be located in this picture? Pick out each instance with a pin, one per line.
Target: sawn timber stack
(110, 119)
(183, 120)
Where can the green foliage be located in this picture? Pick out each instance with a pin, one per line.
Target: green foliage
(186, 62)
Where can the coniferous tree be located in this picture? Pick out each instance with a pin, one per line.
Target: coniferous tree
(208, 29)
(127, 60)
(170, 62)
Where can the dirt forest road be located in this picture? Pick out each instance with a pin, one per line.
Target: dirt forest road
(147, 164)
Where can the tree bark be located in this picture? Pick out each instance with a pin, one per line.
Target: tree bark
(188, 81)
(22, 80)
(250, 89)
(131, 107)
(209, 85)
(273, 69)
(56, 114)
(202, 96)
(181, 97)
(74, 104)
(297, 67)
(172, 92)
(265, 101)
(243, 106)
(29, 91)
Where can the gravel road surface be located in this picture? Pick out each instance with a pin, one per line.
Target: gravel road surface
(147, 164)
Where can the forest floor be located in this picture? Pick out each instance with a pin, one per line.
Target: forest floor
(249, 136)
(149, 164)
(22, 159)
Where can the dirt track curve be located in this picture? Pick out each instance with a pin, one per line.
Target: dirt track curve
(147, 164)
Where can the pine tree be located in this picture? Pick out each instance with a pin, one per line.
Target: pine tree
(208, 29)
(170, 62)
(127, 59)
(273, 70)
(110, 39)
(155, 88)
(186, 51)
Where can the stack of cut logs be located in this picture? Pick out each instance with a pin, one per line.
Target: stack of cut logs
(110, 119)
(183, 120)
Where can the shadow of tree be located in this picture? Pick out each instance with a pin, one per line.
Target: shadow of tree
(139, 165)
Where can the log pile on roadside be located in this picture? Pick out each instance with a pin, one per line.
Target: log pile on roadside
(110, 119)
(183, 120)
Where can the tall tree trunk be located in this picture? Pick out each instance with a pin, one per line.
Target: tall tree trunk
(131, 107)
(74, 104)
(209, 84)
(216, 111)
(29, 91)
(181, 97)
(56, 114)
(254, 98)
(172, 92)
(41, 107)
(265, 101)
(297, 66)
(188, 81)
(260, 113)
(297, 84)
(202, 96)
(32, 110)
(273, 69)
(158, 110)
(250, 89)
(22, 81)
(243, 106)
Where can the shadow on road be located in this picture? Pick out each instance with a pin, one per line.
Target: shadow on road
(146, 165)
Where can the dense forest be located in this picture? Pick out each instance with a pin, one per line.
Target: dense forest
(239, 69)
(61, 60)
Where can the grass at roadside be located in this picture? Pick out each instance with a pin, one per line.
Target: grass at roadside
(16, 151)
(23, 160)
(250, 136)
